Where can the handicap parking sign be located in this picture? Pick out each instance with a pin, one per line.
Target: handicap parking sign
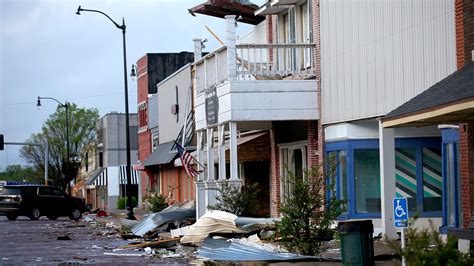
(400, 212)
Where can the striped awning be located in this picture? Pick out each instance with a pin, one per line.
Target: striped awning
(98, 178)
(123, 175)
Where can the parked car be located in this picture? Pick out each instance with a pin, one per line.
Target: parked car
(35, 201)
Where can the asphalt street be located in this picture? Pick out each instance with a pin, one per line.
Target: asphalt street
(38, 242)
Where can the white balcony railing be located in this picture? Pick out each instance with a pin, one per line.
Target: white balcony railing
(256, 62)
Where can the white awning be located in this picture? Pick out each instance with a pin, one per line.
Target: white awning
(123, 175)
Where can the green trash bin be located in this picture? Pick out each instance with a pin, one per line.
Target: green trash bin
(357, 242)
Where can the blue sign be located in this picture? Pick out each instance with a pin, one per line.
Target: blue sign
(400, 212)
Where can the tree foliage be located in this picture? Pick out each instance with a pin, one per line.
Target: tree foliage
(82, 131)
(306, 214)
(22, 174)
(425, 247)
(237, 200)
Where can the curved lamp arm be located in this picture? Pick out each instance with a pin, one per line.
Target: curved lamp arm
(122, 27)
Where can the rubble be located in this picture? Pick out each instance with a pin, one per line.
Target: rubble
(169, 218)
(211, 222)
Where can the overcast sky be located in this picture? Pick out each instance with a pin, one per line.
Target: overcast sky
(48, 50)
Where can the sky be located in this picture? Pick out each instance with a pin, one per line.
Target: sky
(47, 50)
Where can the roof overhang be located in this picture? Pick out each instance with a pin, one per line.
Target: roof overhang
(456, 112)
(222, 8)
(163, 154)
(269, 9)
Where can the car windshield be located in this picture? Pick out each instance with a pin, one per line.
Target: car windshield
(9, 191)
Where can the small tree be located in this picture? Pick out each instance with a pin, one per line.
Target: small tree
(306, 215)
(239, 201)
(425, 247)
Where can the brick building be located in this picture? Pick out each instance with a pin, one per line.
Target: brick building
(152, 68)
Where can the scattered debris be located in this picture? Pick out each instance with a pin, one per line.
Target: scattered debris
(232, 250)
(101, 213)
(79, 258)
(66, 237)
(216, 222)
(165, 243)
(149, 250)
(173, 214)
(87, 219)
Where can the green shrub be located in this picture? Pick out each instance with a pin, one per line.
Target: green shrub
(306, 215)
(157, 202)
(122, 203)
(239, 201)
(425, 247)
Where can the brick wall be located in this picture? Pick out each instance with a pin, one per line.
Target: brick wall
(255, 150)
(275, 175)
(317, 62)
(466, 143)
(464, 45)
(312, 143)
(144, 138)
(468, 30)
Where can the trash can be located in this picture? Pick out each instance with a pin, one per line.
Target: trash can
(357, 242)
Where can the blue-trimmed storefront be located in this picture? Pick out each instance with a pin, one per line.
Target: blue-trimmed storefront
(451, 179)
(419, 167)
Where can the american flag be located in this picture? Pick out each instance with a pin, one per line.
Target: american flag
(186, 160)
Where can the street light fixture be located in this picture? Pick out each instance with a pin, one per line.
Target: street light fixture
(63, 105)
(130, 214)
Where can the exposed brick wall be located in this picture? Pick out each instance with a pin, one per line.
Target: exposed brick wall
(466, 143)
(144, 138)
(255, 150)
(459, 34)
(317, 62)
(312, 143)
(269, 32)
(275, 175)
(468, 19)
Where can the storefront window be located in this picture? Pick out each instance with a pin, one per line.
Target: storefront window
(405, 172)
(432, 179)
(367, 180)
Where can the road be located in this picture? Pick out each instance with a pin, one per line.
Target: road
(36, 242)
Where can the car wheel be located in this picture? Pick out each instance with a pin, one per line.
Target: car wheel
(12, 216)
(53, 217)
(75, 214)
(35, 214)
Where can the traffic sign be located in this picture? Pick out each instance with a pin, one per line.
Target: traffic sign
(400, 212)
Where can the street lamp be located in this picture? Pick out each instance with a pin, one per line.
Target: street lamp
(130, 214)
(63, 105)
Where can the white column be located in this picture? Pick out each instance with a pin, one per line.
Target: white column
(210, 155)
(197, 49)
(233, 151)
(200, 191)
(200, 153)
(221, 149)
(231, 51)
(387, 179)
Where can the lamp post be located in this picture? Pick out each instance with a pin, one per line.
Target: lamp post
(63, 105)
(130, 214)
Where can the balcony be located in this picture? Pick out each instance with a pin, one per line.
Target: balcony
(256, 82)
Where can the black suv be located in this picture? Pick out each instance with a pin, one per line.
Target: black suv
(35, 201)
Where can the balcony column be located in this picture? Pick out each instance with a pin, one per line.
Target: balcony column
(387, 179)
(200, 191)
(197, 49)
(210, 184)
(234, 178)
(231, 50)
(221, 149)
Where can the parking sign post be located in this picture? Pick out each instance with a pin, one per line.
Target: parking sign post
(400, 218)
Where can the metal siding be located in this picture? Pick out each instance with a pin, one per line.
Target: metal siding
(376, 55)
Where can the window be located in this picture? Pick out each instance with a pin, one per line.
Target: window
(292, 160)
(405, 175)
(142, 116)
(432, 179)
(367, 180)
(417, 175)
(154, 141)
(338, 169)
